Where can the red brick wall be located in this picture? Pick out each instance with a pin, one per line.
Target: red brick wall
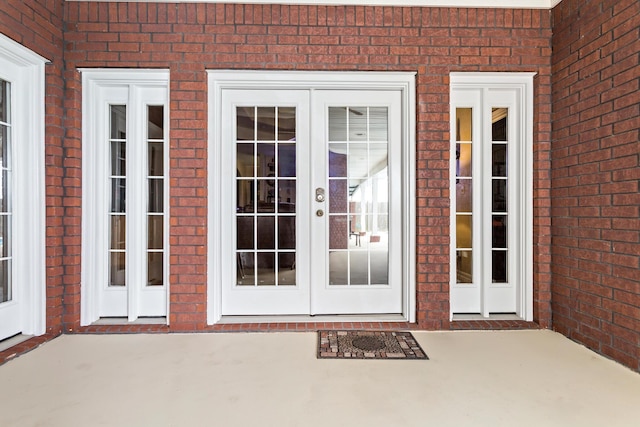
(189, 38)
(596, 175)
(38, 25)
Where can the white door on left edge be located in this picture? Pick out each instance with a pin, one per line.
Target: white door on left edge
(125, 231)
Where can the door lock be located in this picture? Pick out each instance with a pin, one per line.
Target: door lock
(319, 194)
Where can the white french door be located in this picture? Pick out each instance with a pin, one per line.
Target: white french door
(311, 202)
(125, 189)
(491, 195)
(22, 195)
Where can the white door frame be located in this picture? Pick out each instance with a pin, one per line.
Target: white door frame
(219, 80)
(522, 84)
(26, 72)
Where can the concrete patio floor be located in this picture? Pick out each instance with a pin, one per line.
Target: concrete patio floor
(484, 378)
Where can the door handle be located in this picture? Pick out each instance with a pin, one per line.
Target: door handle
(319, 195)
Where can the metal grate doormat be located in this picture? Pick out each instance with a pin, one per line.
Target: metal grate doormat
(368, 345)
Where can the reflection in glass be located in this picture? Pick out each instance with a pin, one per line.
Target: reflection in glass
(244, 232)
(265, 122)
(358, 160)
(464, 195)
(156, 195)
(118, 195)
(245, 272)
(286, 195)
(118, 231)
(499, 124)
(358, 267)
(266, 195)
(5, 96)
(286, 160)
(245, 160)
(499, 160)
(337, 123)
(244, 195)
(378, 124)
(463, 160)
(117, 276)
(464, 124)
(155, 123)
(338, 160)
(266, 268)
(155, 154)
(245, 123)
(155, 232)
(286, 232)
(463, 231)
(499, 196)
(5, 280)
(4, 146)
(286, 269)
(118, 158)
(286, 123)
(155, 271)
(499, 266)
(464, 267)
(338, 268)
(118, 122)
(338, 232)
(499, 233)
(266, 160)
(358, 124)
(266, 232)
(5, 236)
(339, 196)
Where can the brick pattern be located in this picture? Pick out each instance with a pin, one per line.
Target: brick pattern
(189, 38)
(596, 176)
(38, 25)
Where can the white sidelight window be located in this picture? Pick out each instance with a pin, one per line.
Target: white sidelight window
(125, 188)
(22, 191)
(491, 197)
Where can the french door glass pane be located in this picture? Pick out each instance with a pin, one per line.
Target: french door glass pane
(358, 195)
(266, 194)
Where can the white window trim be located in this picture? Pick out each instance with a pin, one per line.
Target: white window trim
(29, 193)
(94, 232)
(523, 81)
(218, 80)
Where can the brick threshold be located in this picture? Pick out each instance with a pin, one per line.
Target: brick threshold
(499, 325)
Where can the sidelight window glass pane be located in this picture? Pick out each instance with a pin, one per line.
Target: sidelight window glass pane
(156, 195)
(499, 266)
(155, 122)
(463, 231)
(464, 266)
(155, 269)
(464, 124)
(118, 231)
(118, 122)
(499, 160)
(155, 155)
(499, 196)
(499, 231)
(464, 196)
(5, 104)
(117, 269)
(499, 124)
(155, 232)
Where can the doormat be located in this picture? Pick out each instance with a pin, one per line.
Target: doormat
(368, 345)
